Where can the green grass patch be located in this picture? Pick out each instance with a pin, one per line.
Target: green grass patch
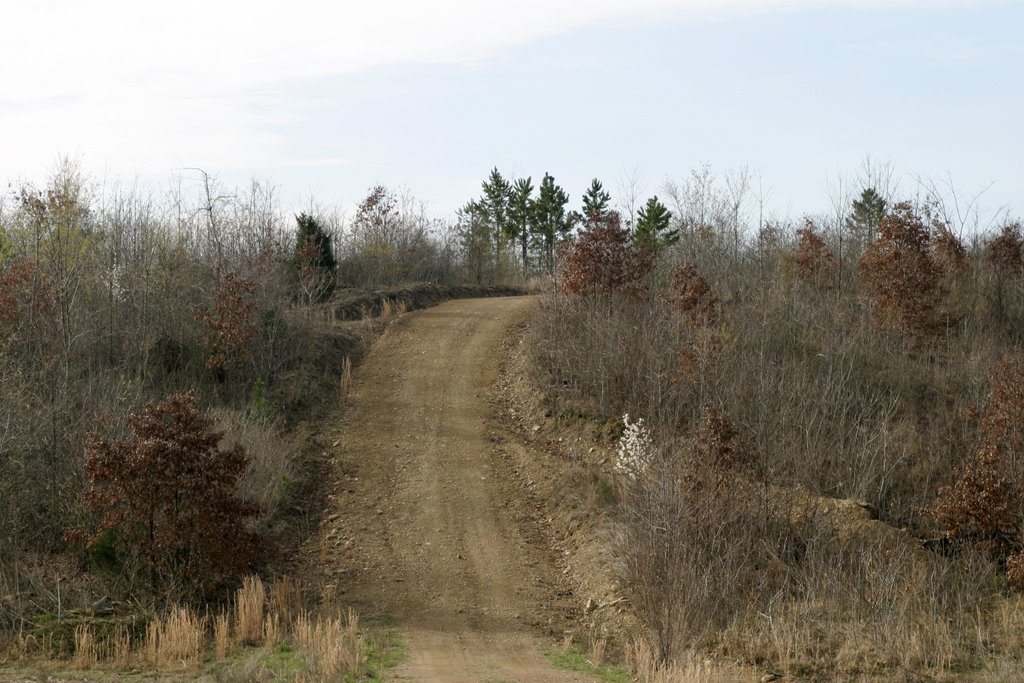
(384, 649)
(284, 662)
(573, 659)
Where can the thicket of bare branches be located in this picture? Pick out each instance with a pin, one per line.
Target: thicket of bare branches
(111, 301)
(391, 240)
(823, 405)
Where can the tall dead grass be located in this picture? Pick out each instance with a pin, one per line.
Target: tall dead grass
(85, 647)
(648, 667)
(250, 601)
(333, 643)
(272, 457)
(177, 640)
(122, 648)
(285, 598)
(261, 616)
(731, 568)
(221, 635)
(346, 377)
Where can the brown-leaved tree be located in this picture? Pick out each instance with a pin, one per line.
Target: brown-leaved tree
(899, 271)
(814, 261)
(1006, 251)
(983, 504)
(167, 495)
(601, 260)
(232, 324)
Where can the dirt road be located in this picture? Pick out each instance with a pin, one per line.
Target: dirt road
(431, 526)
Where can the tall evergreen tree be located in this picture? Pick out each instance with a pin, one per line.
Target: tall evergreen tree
(551, 224)
(866, 216)
(496, 197)
(314, 259)
(494, 205)
(595, 203)
(652, 225)
(520, 213)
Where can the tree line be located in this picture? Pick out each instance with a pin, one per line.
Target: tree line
(515, 229)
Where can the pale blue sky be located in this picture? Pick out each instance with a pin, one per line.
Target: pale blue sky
(433, 99)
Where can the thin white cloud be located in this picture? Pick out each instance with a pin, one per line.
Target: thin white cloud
(146, 85)
(324, 162)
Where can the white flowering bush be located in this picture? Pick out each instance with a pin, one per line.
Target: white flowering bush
(635, 448)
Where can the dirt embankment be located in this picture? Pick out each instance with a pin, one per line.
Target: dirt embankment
(430, 527)
(355, 304)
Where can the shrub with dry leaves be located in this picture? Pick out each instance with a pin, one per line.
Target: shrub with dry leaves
(983, 504)
(814, 261)
(232, 324)
(899, 271)
(718, 444)
(1005, 252)
(692, 296)
(601, 260)
(167, 494)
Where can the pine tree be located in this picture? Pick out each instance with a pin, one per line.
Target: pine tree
(867, 215)
(314, 259)
(497, 193)
(652, 226)
(551, 224)
(493, 209)
(595, 203)
(520, 214)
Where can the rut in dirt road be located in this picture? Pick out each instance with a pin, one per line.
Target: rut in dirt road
(437, 533)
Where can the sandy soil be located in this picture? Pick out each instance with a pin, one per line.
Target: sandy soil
(431, 529)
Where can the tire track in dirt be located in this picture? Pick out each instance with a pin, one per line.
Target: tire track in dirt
(429, 527)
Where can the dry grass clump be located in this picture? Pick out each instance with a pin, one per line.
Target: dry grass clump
(85, 647)
(272, 457)
(333, 643)
(285, 598)
(260, 617)
(728, 566)
(121, 648)
(271, 630)
(346, 377)
(250, 601)
(687, 668)
(881, 615)
(221, 635)
(93, 645)
(177, 640)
